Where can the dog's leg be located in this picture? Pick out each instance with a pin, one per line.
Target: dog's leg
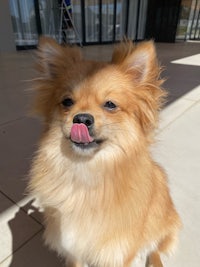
(154, 260)
(167, 245)
(78, 264)
(71, 262)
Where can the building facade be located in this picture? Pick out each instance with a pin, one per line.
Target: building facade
(99, 21)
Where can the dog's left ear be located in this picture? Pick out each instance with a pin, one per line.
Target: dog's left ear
(139, 64)
(137, 60)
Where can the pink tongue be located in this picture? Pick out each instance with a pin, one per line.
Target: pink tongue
(80, 134)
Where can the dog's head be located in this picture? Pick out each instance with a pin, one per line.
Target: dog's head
(98, 105)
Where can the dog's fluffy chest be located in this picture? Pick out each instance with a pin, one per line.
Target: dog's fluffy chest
(89, 244)
(82, 228)
(85, 241)
(84, 237)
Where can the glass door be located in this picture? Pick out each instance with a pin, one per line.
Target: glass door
(91, 21)
(103, 20)
(31, 18)
(92, 17)
(193, 30)
(49, 13)
(113, 20)
(24, 22)
(107, 21)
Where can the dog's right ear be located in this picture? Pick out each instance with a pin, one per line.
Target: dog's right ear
(48, 54)
(54, 57)
(54, 61)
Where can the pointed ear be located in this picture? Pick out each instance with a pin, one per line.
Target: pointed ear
(54, 57)
(139, 63)
(137, 60)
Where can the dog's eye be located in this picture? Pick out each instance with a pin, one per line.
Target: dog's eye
(109, 105)
(67, 102)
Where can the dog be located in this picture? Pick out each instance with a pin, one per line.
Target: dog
(105, 199)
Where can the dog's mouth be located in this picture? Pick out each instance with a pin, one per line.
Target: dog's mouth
(81, 137)
(93, 144)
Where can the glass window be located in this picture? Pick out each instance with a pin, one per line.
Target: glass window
(24, 22)
(92, 20)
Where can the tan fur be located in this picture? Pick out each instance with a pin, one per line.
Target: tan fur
(105, 205)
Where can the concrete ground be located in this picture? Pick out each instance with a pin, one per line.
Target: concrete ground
(178, 150)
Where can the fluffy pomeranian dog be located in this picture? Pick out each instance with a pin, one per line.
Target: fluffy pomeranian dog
(105, 200)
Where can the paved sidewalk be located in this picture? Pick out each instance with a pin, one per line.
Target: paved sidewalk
(178, 150)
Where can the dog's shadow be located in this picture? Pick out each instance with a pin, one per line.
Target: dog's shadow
(29, 249)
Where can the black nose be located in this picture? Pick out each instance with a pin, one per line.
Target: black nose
(85, 118)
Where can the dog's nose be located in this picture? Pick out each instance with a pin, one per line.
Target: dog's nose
(85, 118)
